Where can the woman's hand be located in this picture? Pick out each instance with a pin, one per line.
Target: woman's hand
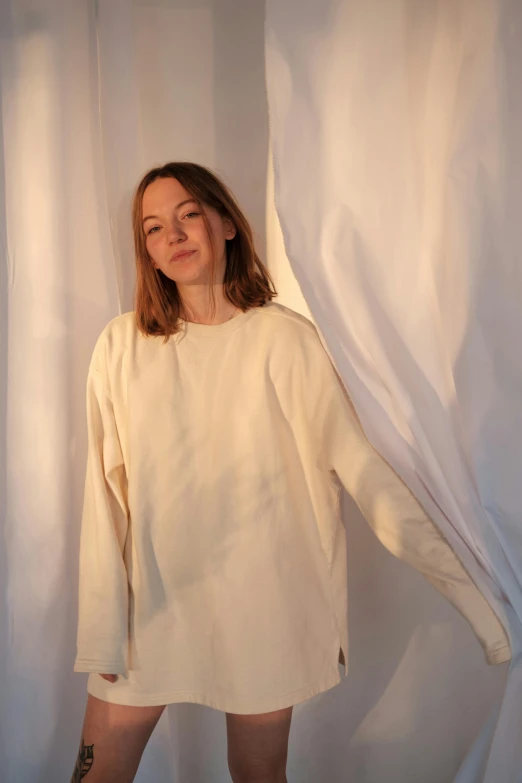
(109, 677)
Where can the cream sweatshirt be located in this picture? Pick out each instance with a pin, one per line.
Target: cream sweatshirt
(213, 554)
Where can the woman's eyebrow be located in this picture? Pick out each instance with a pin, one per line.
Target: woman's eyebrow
(181, 204)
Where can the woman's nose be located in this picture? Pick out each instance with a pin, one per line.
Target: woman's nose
(176, 234)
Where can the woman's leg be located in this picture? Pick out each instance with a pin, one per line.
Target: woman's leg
(258, 746)
(113, 740)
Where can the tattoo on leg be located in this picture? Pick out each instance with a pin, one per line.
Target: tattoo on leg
(84, 762)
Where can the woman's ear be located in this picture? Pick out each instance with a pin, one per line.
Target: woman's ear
(230, 229)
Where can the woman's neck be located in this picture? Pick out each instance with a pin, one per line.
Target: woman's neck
(196, 300)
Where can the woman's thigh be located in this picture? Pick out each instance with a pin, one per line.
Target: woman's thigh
(258, 746)
(113, 740)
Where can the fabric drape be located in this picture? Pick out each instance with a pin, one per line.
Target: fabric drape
(398, 183)
(91, 95)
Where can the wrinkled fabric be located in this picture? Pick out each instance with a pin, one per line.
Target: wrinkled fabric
(213, 555)
(395, 129)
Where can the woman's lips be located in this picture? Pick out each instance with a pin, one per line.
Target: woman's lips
(182, 256)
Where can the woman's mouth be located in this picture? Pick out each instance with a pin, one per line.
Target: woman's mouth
(178, 257)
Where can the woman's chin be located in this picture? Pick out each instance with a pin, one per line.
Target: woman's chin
(194, 277)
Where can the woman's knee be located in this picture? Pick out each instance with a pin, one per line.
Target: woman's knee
(258, 746)
(264, 773)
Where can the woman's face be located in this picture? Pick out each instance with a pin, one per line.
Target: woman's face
(176, 235)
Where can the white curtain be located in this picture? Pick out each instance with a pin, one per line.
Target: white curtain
(396, 132)
(92, 94)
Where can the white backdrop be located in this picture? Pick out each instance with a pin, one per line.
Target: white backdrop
(396, 129)
(91, 95)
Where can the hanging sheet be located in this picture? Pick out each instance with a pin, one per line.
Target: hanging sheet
(396, 130)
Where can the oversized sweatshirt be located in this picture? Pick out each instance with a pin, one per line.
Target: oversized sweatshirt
(213, 553)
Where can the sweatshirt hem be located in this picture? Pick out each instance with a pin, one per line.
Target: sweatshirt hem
(239, 706)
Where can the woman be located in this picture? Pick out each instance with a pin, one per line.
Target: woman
(212, 551)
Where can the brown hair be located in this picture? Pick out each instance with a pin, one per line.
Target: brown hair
(247, 282)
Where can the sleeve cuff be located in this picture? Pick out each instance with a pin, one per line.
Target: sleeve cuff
(498, 654)
(99, 667)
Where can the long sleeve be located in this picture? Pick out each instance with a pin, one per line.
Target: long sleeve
(102, 644)
(396, 517)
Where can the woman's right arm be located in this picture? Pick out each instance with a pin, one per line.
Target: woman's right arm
(102, 644)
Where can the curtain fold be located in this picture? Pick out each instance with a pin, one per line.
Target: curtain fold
(91, 95)
(59, 292)
(398, 183)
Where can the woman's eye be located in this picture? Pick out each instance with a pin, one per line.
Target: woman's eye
(192, 214)
(153, 230)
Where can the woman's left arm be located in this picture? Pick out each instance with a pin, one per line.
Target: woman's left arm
(396, 517)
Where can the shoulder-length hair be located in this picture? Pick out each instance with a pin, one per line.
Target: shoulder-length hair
(247, 282)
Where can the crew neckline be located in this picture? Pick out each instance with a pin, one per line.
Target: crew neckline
(191, 329)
